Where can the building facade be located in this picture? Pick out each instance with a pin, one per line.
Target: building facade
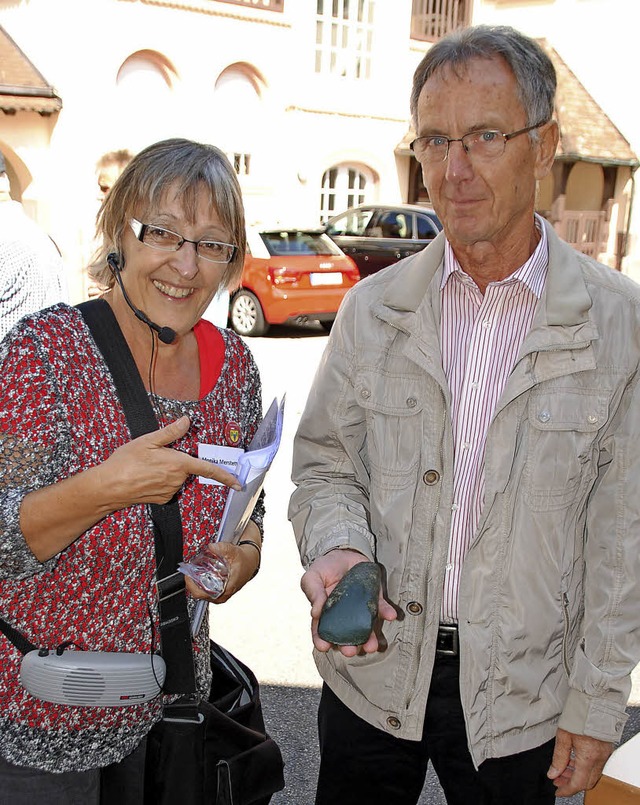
(309, 99)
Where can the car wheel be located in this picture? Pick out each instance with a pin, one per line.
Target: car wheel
(246, 314)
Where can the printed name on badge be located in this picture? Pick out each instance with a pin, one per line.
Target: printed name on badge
(220, 454)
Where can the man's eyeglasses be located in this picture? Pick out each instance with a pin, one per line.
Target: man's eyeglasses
(167, 241)
(488, 144)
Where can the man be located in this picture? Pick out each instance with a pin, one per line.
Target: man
(474, 428)
(108, 169)
(31, 269)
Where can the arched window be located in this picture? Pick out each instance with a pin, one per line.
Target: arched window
(344, 186)
(237, 111)
(145, 100)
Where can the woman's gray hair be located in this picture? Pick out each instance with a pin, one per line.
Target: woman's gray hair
(186, 167)
(533, 70)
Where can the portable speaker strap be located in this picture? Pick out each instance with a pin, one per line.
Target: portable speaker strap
(18, 639)
(175, 634)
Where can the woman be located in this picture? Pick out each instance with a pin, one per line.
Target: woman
(77, 556)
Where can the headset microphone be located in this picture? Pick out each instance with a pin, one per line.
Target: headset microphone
(165, 334)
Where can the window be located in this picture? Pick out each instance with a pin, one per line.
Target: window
(236, 106)
(295, 242)
(241, 163)
(145, 106)
(269, 5)
(344, 31)
(433, 19)
(427, 229)
(351, 224)
(395, 225)
(343, 186)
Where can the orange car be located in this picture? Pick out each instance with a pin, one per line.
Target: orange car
(290, 275)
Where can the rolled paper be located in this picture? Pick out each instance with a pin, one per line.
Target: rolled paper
(350, 610)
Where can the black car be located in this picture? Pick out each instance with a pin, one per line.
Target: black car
(376, 235)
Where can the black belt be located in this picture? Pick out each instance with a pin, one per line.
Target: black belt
(447, 642)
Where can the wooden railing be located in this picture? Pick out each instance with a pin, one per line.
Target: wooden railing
(268, 5)
(585, 230)
(433, 19)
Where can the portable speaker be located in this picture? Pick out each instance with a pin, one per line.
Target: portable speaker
(92, 678)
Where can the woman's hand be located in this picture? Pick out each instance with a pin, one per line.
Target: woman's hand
(145, 470)
(242, 562)
(148, 470)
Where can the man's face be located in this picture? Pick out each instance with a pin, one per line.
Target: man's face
(480, 200)
(106, 179)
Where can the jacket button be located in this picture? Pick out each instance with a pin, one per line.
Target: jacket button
(592, 419)
(394, 723)
(365, 393)
(412, 402)
(544, 416)
(414, 607)
(431, 477)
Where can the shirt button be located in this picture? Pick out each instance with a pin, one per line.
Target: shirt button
(466, 445)
(454, 507)
(486, 324)
(544, 416)
(449, 567)
(394, 723)
(414, 607)
(475, 384)
(431, 477)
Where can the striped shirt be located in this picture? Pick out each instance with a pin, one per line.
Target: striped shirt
(481, 337)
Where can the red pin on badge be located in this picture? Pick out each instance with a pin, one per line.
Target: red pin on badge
(232, 433)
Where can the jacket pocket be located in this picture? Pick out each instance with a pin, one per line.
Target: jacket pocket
(393, 406)
(563, 426)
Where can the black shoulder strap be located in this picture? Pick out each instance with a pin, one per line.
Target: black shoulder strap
(17, 638)
(177, 650)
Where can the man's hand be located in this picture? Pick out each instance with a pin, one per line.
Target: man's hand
(318, 582)
(577, 762)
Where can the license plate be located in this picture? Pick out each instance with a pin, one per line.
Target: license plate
(331, 278)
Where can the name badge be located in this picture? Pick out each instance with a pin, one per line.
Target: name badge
(222, 456)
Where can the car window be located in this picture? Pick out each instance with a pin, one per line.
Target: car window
(426, 227)
(392, 224)
(296, 242)
(351, 223)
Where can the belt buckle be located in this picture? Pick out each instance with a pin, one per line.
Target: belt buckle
(447, 643)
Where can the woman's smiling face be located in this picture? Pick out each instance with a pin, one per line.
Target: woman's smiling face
(174, 288)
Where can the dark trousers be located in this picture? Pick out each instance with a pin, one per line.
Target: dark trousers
(362, 764)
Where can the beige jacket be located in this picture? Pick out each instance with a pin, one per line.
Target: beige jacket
(550, 591)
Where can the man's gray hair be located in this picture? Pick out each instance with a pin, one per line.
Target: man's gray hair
(533, 70)
(187, 168)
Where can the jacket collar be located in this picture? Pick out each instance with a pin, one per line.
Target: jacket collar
(565, 302)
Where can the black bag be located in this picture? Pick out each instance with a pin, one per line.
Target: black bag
(228, 759)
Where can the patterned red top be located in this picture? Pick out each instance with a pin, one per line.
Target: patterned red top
(59, 415)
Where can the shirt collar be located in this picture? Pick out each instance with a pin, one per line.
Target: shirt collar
(532, 274)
